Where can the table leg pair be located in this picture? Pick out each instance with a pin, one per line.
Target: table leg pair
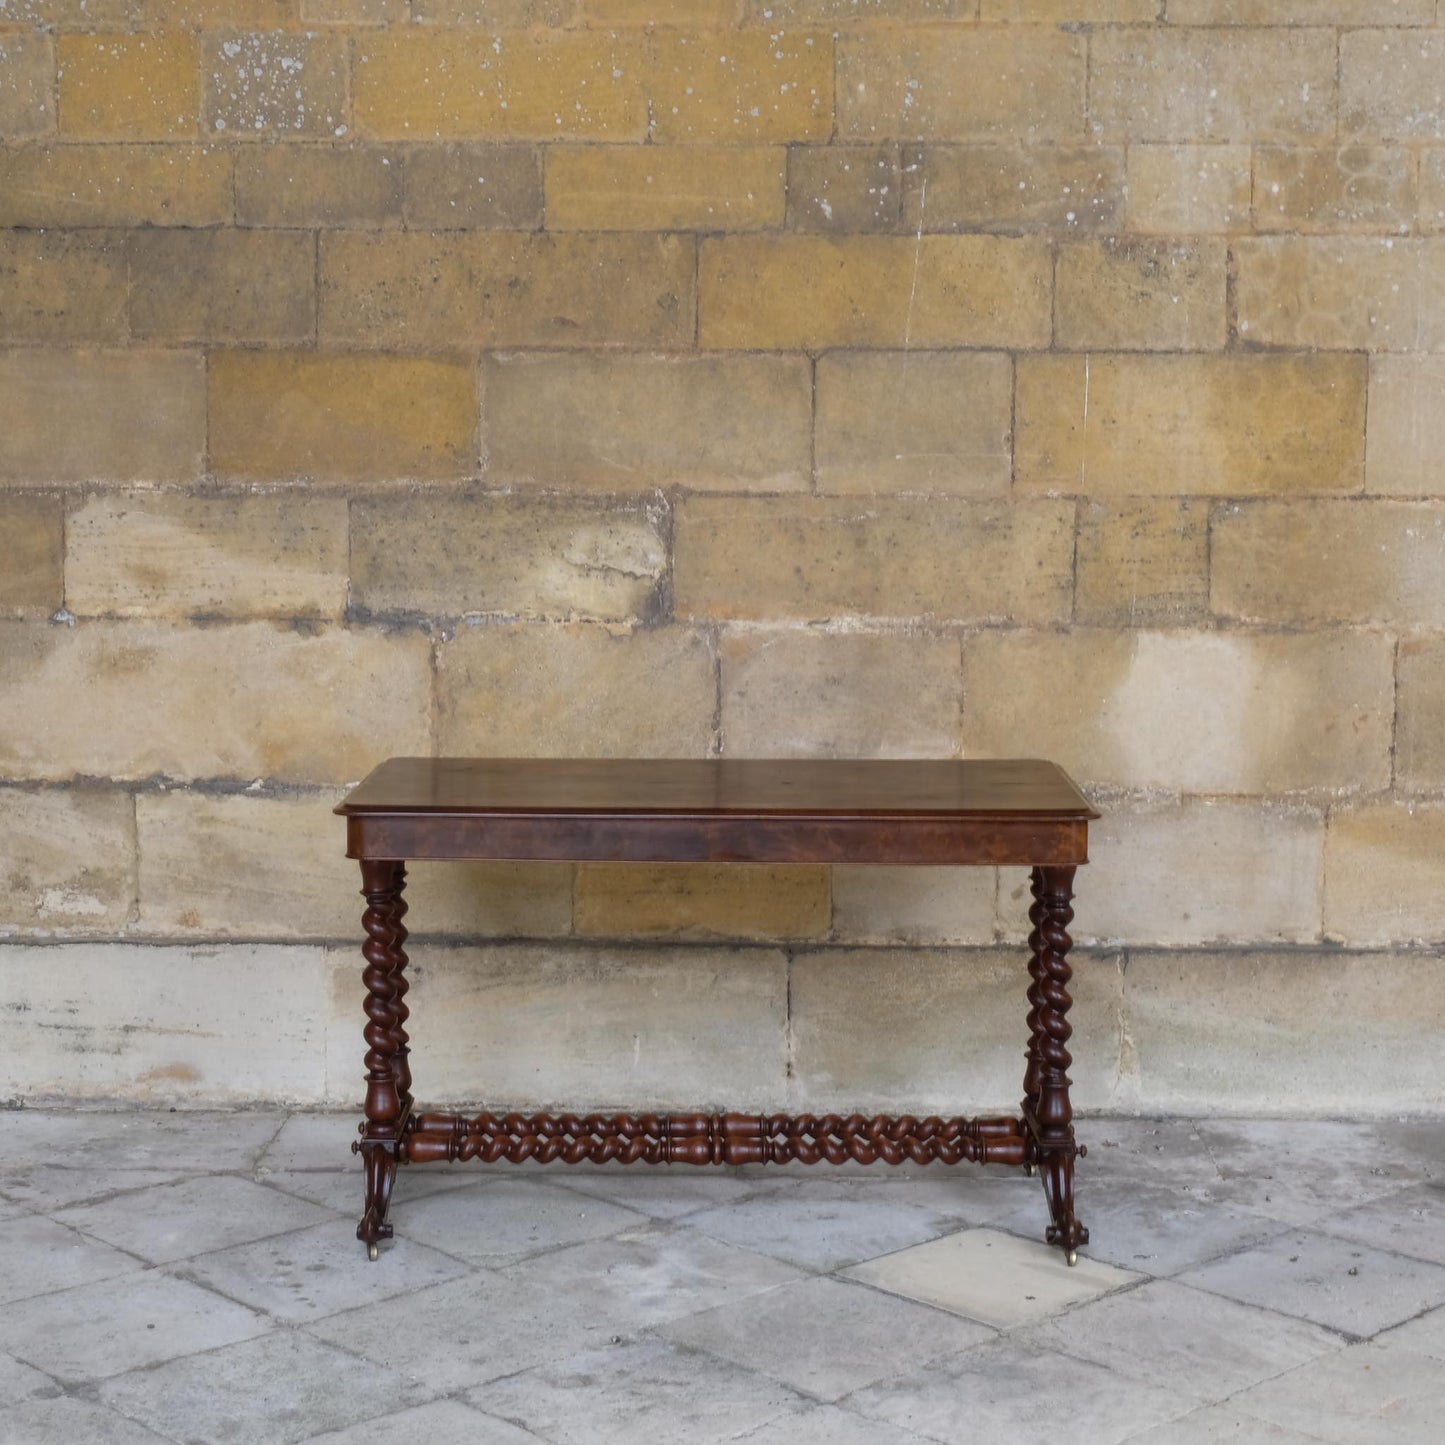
(1042, 1137)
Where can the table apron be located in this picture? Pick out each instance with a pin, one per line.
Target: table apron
(653, 838)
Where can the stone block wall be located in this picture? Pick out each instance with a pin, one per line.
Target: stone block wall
(724, 377)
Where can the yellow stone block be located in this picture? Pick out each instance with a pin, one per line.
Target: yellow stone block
(88, 416)
(167, 555)
(1188, 189)
(1349, 188)
(1143, 561)
(419, 83)
(1419, 738)
(1405, 448)
(1206, 425)
(34, 532)
(1382, 873)
(530, 690)
(275, 84)
(409, 290)
(1144, 295)
(1390, 84)
(665, 188)
(280, 415)
(1351, 293)
(1154, 83)
(130, 87)
(27, 84)
(1330, 561)
(1006, 83)
(741, 87)
(62, 286)
(465, 185)
(813, 558)
(843, 189)
(318, 185)
(114, 185)
(700, 901)
(815, 292)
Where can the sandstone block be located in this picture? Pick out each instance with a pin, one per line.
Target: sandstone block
(1347, 293)
(239, 865)
(166, 555)
(74, 416)
(1350, 188)
(506, 289)
(914, 421)
(961, 84)
(1155, 83)
(466, 185)
(1300, 12)
(495, 15)
(1390, 84)
(277, 415)
(1330, 561)
(701, 901)
(843, 189)
(433, 555)
(1142, 562)
(1419, 738)
(815, 292)
(334, 186)
(240, 702)
(27, 84)
(354, 12)
(1322, 1031)
(67, 860)
(213, 14)
(1405, 447)
(34, 532)
(914, 905)
(76, 14)
(741, 86)
(620, 421)
(1106, 12)
(937, 1030)
(524, 691)
(1188, 189)
(114, 185)
(1144, 295)
(149, 1025)
(1193, 712)
(527, 1026)
(1008, 187)
(694, 13)
(62, 286)
(129, 87)
(1197, 872)
(810, 694)
(773, 13)
(282, 84)
(1232, 426)
(226, 286)
(665, 188)
(1432, 189)
(817, 557)
(1382, 874)
(415, 84)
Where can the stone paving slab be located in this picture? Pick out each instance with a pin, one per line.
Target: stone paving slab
(778, 1306)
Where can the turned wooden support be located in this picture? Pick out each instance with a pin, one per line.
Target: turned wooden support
(388, 1074)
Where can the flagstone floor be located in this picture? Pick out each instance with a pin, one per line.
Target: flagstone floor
(195, 1277)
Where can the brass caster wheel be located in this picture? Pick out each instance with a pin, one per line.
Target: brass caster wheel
(1029, 1171)
(1072, 1256)
(373, 1253)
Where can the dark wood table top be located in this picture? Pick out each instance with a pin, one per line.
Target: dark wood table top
(721, 787)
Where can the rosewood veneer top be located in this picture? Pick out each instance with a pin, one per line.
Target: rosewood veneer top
(1025, 811)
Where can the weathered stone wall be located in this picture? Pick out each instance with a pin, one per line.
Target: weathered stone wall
(739, 377)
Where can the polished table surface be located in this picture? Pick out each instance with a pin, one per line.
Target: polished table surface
(813, 787)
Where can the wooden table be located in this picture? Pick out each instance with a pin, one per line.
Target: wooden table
(1019, 812)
